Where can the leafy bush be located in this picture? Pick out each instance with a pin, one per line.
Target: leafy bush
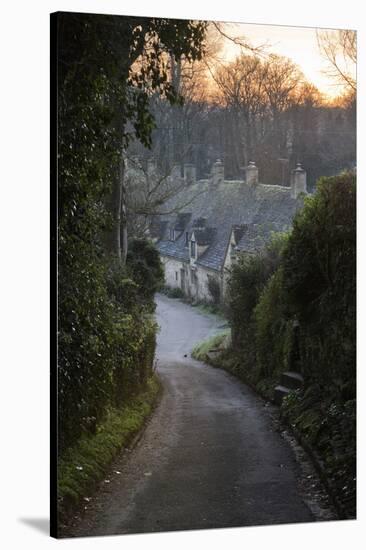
(83, 465)
(329, 426)
(173, 292)
(309, 275)
(106, 349)
(320, 280)
(214, 288)
(247, 280)
(273, 332)
(143, 262)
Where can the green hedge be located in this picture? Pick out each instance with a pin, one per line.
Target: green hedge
(308, 275)
(85, 463)
(106, 345)
(320, 281)
(273, 331)
(248, 305)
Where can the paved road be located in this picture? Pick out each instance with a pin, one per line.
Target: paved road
(209, 456)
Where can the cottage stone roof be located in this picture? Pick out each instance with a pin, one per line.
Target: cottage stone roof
(256, 235)
(228, 205)
(182, 221)
(204, 236)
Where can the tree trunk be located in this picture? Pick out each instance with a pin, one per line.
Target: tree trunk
(123, 215)
(117, 238)
(116, 213)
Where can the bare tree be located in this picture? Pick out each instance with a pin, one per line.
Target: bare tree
(339, 48)
(282, 79)
(145, 73)
(149, 192)
(258, 92)
(256, 107)
(241, 89)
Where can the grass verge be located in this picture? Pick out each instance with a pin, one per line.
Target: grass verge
(83, 465)
(202, 349)
(207, 308)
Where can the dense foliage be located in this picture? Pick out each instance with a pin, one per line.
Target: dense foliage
(107, 69)
(214, 288)
(320, 281)
(310, 279)
(308, 275)
(247, 280)
(146, 269)
(84, 464)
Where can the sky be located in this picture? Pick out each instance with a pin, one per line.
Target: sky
(298, 43)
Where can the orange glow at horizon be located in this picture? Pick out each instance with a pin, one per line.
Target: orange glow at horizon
(297, 43)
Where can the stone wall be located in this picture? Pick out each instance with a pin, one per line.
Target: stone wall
(230, 260)
(202, 274)
(192, 281)
(172, 268)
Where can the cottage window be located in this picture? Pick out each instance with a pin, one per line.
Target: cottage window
(193, 249)
(187, 239)
(176, 275)
(172, 234)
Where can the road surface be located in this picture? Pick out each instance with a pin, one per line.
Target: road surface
(209, 456)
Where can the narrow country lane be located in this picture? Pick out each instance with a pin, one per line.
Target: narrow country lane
(209, 456)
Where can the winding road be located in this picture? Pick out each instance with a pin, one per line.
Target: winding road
(209, 456)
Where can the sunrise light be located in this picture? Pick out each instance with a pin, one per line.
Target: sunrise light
(300, 44)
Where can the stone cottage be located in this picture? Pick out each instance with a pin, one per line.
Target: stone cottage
(221, 219)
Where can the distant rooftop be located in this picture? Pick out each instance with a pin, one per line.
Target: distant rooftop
(226, 206)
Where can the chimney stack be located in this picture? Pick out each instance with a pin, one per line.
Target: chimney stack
(217, 173)
(298, 181)
(251, 172)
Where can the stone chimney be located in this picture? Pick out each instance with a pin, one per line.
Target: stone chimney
(251, 174)
(217, 173)
(190, 173)
(298, 181)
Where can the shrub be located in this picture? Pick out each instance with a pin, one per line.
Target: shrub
(273, 332)
(320, 280)
(247, 280)
(173, 292)
(106, 341)
(214, 288)
(144, 265)
(309, 274)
